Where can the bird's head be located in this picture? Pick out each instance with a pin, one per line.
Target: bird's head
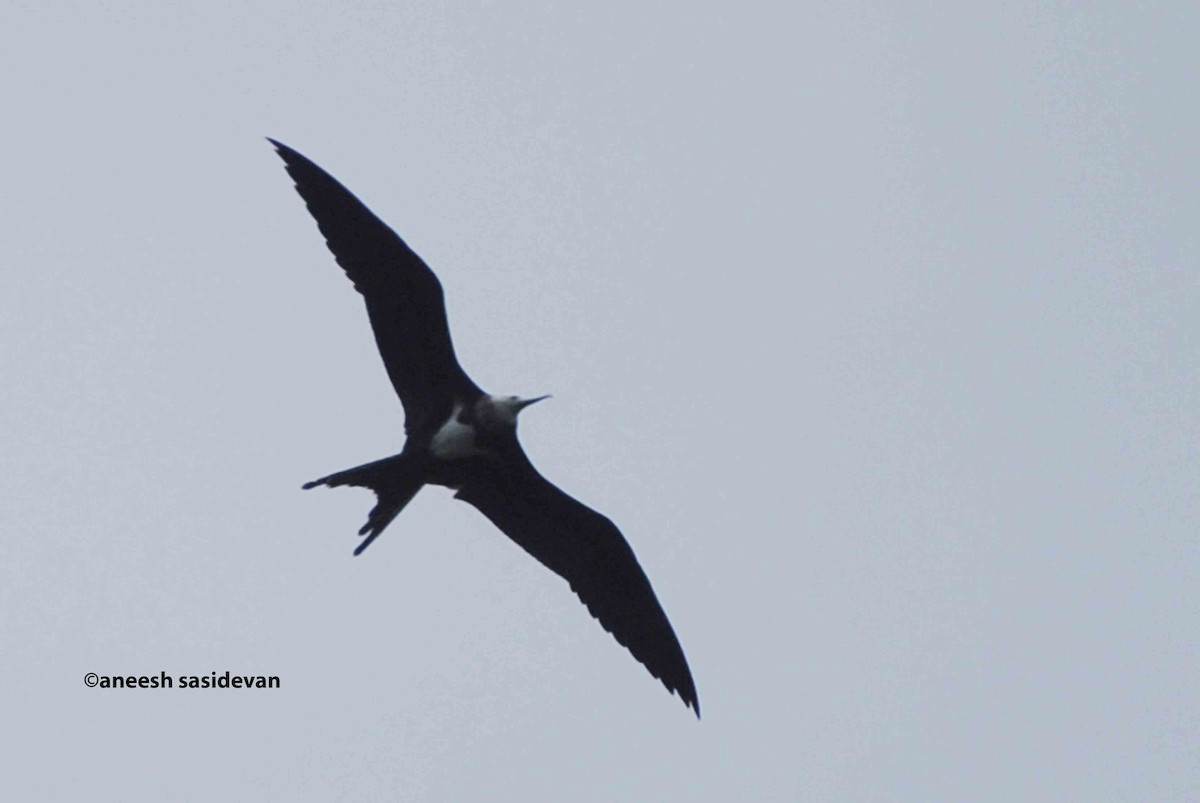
(502, 410)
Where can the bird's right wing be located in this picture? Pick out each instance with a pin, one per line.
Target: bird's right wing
(588, 551)
(404, 298)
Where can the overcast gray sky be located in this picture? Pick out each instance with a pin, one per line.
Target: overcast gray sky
(873, 325)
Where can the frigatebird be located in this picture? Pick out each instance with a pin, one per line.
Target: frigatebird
(462, 438)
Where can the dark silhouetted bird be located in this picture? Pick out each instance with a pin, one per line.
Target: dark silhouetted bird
(465, 439)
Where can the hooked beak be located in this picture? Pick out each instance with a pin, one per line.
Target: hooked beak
(521, 405)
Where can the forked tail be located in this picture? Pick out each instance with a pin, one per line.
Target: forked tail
(395, 481)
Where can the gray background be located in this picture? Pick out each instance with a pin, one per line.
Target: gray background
(873, 325)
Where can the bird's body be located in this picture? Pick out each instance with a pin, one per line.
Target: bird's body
(462, 438)
(456, 439)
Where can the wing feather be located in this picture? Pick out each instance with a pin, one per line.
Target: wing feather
(588, 551)
(404, 298)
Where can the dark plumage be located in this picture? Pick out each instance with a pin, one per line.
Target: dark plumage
(465, 439)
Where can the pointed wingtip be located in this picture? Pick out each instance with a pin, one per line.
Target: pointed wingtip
(689, 699)
(285, 152)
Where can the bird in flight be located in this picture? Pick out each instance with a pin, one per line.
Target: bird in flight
(462, 438)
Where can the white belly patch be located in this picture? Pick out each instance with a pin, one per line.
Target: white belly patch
(454, 440)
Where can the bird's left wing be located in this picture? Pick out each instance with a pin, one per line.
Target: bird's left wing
(588, 551)
(404, 298)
